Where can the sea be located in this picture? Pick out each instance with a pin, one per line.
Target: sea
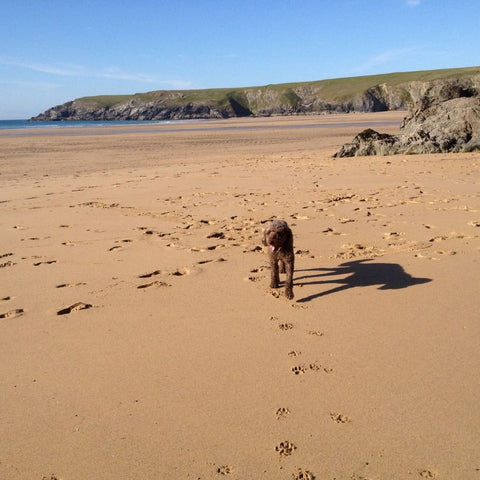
(29, 124)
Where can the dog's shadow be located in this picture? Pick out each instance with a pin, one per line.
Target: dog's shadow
(358, 273)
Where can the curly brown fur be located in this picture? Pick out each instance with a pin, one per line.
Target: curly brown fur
(278, 237)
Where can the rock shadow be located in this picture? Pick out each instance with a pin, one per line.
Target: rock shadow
(358, 273)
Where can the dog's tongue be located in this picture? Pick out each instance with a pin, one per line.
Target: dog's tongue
(272, 247)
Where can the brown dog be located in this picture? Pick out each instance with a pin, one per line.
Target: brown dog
(279, 239)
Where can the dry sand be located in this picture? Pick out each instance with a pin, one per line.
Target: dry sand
(139, 338)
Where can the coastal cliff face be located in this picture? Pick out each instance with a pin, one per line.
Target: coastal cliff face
(358, 94)
(255, 102)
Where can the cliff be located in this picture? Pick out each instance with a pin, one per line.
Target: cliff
(446, 118)
(395, 91)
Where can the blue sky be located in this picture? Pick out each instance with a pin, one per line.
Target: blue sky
(52, 51)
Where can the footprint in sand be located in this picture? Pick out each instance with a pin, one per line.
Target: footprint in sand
(301, 474)
(155, 283)
(285, 326)
(285, 448)
(314, 367)
(181, 272)
(282, 412)
(151, 274)
(316, 333)
(74, 308)
(294, 353)
(225, 470)
(203, 262)
(303, 253)
(389, 235)
(214, 247)
(12, 313)
(299, 369)
(7, 264)
(427, 474)
(116, 247)
(220, 235)
(148, 231)
(439, 238)
(339, 418)
(63, 285)
(445, 252)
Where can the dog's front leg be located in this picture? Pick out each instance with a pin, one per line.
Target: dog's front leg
(275, 277)
(289, 279)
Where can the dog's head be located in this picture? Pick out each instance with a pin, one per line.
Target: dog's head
(278, 236)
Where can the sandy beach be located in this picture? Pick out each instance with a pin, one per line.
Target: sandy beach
(139, 337)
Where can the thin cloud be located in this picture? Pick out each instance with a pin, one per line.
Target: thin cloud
(23, 83)
(413, 3)
(67, 70)
(72, 70)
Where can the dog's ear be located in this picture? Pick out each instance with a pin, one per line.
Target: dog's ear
(264, 240)
(289, 238)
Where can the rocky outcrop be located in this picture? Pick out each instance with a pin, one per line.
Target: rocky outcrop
(361, 94)
(446, 118)
(368, 142)
(133, 110)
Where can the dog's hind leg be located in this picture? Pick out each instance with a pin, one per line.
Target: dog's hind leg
(289, 280)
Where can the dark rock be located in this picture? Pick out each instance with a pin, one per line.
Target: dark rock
(445, 119)
(368, 142)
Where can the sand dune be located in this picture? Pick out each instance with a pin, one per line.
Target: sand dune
(139, 338)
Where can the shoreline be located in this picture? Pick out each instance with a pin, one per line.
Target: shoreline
(294, 121)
